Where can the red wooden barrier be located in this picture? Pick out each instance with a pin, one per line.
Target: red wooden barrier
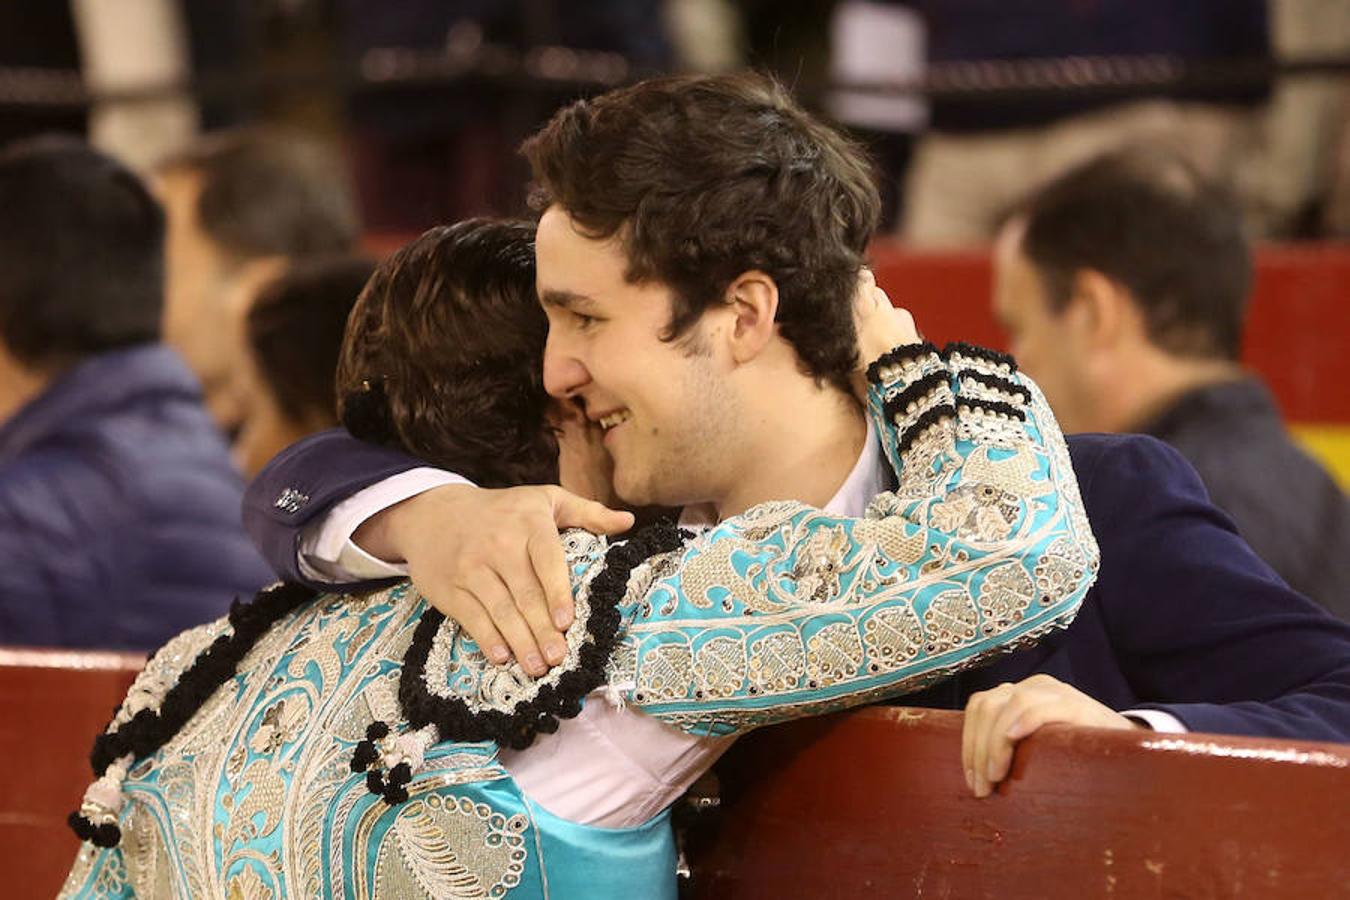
(874, 804)
(52, 705)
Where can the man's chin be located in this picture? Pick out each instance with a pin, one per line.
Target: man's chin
(638, 491)
(631, 497)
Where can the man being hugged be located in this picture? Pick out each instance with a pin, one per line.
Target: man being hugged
(697, 242)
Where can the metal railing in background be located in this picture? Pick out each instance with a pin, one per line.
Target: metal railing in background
(564, 69)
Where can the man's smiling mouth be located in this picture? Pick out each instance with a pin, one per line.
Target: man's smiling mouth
(618, 417)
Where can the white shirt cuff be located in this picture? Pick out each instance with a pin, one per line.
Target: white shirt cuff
(1159, 721)
(328, 553)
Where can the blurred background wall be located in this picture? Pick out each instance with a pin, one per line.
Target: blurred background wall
(965, 106)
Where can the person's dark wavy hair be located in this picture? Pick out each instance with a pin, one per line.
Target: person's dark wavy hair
(443, 356)
(705, 178)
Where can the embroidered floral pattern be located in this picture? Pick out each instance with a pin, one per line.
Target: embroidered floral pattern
(242, 734)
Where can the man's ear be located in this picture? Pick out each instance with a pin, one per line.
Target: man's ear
(752, 301)
(1100, 310)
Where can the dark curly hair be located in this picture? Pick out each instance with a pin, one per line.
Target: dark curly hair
(443, 356)
(705, 178)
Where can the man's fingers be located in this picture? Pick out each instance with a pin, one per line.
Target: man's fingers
(491, 593)
(866, 285)
(550, 567)
(999, 747)
(1028, 722)
(465, 609)
(905, 319)
(982, 712)
(980, 755)
(1014, 728)
(571, 511)
(528, 594)
(969, 728)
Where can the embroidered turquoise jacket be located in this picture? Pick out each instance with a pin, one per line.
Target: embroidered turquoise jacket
(782, 612)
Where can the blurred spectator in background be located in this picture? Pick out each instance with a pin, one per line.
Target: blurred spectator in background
(985, 150)
(134, 45)
(151, 49)
(293, 330)
(876, 42)
(434, 151)
(1123, 286)
(39, 39)
(240, 205)
(119, 509)
(1338, 200)
(1289, 188)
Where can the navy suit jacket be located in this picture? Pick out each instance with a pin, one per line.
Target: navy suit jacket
(1184, 617)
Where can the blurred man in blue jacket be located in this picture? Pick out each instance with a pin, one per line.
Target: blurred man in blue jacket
(119, 508)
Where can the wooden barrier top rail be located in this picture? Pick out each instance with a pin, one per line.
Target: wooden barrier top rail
(874, 803)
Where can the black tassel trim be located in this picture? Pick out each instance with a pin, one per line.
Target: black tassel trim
(151, 729)
(993, 357)
(915, 393)
(364, 756)
(105, 835)
(83, 828)
(1011, 388)
(396, 790)
(899, 355)
(930, 417)
(453, 718)
(993, 406)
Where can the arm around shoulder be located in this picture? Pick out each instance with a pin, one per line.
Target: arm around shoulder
(303, 484)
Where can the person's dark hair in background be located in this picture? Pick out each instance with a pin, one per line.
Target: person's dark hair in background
(119, 509)
(1152, 223)
(672, 167)
(293, 330)
(83, 270)
(444, 356)
(1124, 285)
(241, 204)
(266, 193)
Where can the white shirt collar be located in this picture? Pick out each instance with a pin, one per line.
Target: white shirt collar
(870, 476)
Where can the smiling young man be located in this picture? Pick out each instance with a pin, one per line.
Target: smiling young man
(699, 244)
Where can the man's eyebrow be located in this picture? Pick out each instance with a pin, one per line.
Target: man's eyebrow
(565, 299)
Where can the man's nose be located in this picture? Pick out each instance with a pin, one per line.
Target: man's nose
(564, 374)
